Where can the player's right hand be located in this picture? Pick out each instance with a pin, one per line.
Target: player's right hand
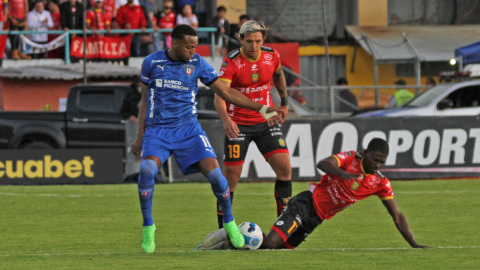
(231, 129)
(136, 147)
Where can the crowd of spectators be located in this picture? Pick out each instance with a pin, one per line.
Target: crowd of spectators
(106, 15)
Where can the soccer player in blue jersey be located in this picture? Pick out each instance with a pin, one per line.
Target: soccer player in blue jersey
(168, 125)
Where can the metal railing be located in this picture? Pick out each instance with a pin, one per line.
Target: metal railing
(212, 31)
(317, 98)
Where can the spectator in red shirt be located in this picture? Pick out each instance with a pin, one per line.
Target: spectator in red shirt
(98, 19)
(3, 13)
(54, 9)
(131, 16)
(110, 8)
(17, 17)
(164, 18)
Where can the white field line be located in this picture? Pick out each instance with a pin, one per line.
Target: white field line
(210, 194)
(262, 250)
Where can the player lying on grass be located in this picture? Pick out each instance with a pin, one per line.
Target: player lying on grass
(350, 177)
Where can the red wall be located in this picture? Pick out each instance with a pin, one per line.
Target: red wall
(32, 95)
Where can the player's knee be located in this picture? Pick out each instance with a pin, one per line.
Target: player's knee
(217, 180)
(148, 170)
(232, 175)
(284, 170)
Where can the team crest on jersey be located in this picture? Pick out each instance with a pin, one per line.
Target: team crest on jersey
(188, 69)
(355, 185)
(255, 77)
(281, 142)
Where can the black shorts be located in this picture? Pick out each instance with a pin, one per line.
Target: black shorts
(269, 141)
(298, 220)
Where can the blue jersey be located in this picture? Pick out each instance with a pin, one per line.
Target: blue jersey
(172, 87)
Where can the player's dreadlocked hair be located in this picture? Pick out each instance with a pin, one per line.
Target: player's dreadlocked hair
(253, 26)
(182, 30)
(378, 145)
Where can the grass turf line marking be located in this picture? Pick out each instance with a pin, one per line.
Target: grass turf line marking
(260, 250)
(210, 194)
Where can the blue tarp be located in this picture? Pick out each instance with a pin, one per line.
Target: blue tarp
(470, 54)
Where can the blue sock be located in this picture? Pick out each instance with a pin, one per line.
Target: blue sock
(146, 187)
(222, 192)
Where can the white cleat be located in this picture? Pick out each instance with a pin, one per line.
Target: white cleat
(215, 238)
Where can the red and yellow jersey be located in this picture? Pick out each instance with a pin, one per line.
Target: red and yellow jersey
(333, 193)
(166, 20)
(251, 78)
(97, 19)
(16, 8)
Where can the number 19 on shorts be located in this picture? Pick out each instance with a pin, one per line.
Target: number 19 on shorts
(234, 151)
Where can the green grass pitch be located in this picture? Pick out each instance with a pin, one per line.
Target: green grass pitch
(100, 227)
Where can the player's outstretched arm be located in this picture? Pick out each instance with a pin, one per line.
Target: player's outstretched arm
(401, 222)
(330, 165)
(233, 96)
(230, 128)
(281, 85)
(142, 113)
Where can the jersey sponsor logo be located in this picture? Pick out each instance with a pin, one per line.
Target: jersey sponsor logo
(221, 73)
(279, 223)
(268, 56)
(188, 69)
(152, 101)
(158, 61)
(254, 67)
(162, 67)
(224, 64)
(255, 77)
(354, 185)
(173, 84)
(281, 142)
(238, 61)
(270, 63)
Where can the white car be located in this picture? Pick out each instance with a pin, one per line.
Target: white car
(448, 99)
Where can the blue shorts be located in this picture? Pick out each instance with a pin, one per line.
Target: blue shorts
(189, 144)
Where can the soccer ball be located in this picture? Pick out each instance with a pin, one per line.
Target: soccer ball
(253, 235)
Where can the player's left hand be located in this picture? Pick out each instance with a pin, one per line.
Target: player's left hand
(270, 114)
(282, 112)
(274, 120)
